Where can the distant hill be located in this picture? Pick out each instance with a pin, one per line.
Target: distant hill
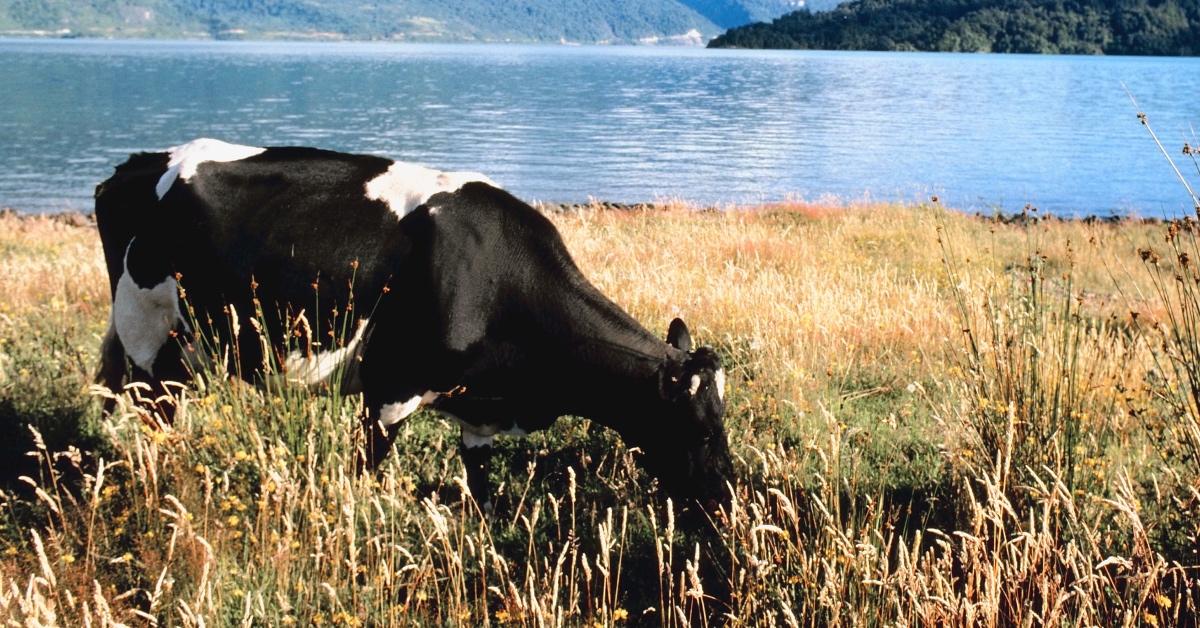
(583, 21)
(1134, 27)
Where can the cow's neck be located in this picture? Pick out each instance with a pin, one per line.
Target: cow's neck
(612, 368)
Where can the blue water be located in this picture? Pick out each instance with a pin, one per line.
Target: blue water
(626, 124)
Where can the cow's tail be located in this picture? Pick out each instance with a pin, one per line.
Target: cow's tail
(124, 202)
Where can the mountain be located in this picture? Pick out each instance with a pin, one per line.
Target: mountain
(584, 21)
(1123, 27)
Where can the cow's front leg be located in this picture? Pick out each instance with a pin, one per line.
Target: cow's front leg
(379, 427)
(377, 442)
(476, 452)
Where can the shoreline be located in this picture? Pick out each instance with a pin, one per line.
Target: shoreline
(88, 219)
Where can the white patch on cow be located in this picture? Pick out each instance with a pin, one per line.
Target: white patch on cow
(406, 186)
(392, 413)
(144, 317)
(471, 440)
(695, 385)
(318, 367)
(719, 379)
(185, 158)
(486, 433)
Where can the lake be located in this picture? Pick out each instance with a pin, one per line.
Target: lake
(628, 124)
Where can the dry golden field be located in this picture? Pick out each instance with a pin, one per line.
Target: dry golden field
(937, 420)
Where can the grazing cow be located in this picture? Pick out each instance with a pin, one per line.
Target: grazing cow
(450, 293)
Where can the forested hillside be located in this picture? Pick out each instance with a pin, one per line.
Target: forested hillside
(587, 21)
(1135, 27)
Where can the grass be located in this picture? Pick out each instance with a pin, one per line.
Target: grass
(936, 419)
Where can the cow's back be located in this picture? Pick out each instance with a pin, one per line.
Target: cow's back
(275, 233)
(285, 216)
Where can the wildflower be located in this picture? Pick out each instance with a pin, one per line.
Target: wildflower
(620, 614)
(288, 620)
(1149, 619)
(1163, 601)
(11, 551)
(502, 616)
(241, 456)
(68, 558)
(127, 557)
(232, 520)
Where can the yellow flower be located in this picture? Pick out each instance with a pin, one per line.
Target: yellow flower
(620, 614)
(1149, 620)
(1163, 600)
(68, 558)
(232, 520)
(126, 557)
(502, 616)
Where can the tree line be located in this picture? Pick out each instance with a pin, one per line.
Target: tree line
(1114, 27)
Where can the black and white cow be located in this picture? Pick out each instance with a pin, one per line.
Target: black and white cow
(459, 296)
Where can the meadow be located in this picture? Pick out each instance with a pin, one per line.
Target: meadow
(937, 419)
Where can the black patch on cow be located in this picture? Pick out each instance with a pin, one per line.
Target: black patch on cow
(147, 261)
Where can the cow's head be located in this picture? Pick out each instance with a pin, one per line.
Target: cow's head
(689, 451)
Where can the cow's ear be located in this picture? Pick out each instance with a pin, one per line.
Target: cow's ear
(678, 336)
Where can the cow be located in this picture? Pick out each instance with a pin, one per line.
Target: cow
(445, 291)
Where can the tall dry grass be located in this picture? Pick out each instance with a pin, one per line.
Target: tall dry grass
(978, 433)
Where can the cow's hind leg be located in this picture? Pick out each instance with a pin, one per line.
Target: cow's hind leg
(110, 373)
(146, 320)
